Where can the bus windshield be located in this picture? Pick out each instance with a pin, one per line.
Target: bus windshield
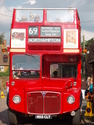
(28, 65)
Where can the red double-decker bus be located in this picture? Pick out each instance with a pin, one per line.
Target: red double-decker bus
(45, 64)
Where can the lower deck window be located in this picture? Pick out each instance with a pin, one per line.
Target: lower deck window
(25, 66)
(63, 70)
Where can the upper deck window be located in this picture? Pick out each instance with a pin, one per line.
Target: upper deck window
(29, 15)
(62, 15)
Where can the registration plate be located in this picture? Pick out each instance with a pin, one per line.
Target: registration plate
(43, 117)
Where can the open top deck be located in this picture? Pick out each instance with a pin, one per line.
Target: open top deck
(46, 30)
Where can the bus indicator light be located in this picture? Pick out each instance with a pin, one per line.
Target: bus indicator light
(84, 50)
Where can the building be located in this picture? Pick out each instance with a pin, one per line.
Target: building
(4, 57)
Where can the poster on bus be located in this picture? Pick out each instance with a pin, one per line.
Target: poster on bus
(70, 38)
(18, 38)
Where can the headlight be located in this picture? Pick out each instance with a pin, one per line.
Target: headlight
(70, 99)
(16, 99)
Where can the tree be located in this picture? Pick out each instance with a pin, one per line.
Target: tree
(89, 57)
(1, 38)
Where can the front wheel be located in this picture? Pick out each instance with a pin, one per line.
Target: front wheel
(12, 118)
(76, 118)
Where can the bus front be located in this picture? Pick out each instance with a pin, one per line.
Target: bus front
(45, 64)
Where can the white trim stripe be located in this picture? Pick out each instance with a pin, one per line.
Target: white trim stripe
(71, 50)
(17, 50)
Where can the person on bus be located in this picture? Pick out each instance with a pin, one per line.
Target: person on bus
(23, 19)
(31, 17)
(37, 18)
(55, 73)
(17, 74)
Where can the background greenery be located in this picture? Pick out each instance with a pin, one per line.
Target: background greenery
(5, 73)
(89, 45)
(1, 42)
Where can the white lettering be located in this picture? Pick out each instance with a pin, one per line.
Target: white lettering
(44, 40)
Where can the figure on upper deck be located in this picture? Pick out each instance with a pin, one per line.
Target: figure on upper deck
(31, 17)
(37, 18)
(23, 19)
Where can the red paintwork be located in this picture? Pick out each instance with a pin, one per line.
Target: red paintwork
(62, 86)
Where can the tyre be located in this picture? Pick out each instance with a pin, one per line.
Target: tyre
(7, 100)
(76, 118)
(81, 99)
(12, 118)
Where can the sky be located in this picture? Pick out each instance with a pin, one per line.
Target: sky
(85, 9)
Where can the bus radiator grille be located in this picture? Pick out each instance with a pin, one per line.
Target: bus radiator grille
(52, 103)
(43, 102)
